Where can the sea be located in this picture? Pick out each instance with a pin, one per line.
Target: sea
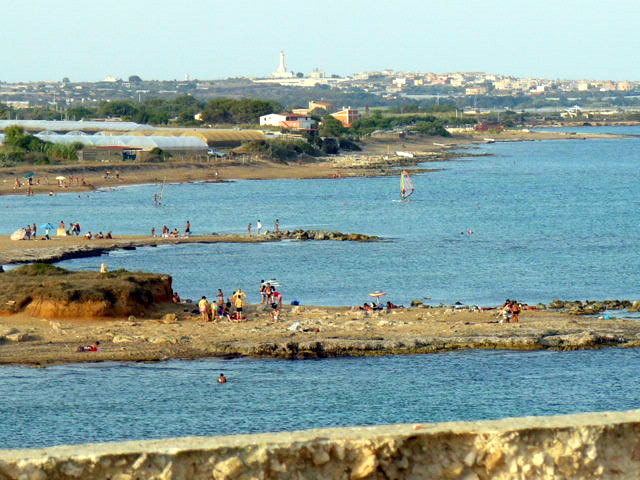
(526, 220)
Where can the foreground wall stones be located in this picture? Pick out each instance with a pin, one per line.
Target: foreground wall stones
(584, 446)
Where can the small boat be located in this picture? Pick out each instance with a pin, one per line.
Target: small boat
(489, 140)
(406, 185)
(405, 154)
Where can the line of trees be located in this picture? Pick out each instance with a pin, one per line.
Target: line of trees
(182, 110)
(425, 124)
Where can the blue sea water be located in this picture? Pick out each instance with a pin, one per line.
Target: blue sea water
(113, 401)
(549, 219)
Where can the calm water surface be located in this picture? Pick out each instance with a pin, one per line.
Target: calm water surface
(549, 219)
(104, 402)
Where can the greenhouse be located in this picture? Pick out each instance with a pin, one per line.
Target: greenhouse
(187, 145)
(168, 144)
(69, 126)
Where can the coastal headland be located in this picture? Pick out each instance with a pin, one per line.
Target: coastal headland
(572, 447)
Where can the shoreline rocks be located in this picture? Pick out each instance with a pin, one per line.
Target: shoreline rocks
(50, 252)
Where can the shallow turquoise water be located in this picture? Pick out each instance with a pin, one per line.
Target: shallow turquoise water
(104, 402)
(550, 219)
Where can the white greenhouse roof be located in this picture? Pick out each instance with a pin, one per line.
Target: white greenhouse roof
(164, 143)
(68, 125)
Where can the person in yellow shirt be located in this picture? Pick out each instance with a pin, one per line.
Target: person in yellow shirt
(214, 311)
(203, 306)
(238, 302)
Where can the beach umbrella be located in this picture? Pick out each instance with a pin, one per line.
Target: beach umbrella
(46, 226)
(60, 177)
(377, 294)
(29, 175)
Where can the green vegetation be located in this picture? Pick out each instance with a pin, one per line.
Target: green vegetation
(20, 147)
(281, 149)
(36, 269)
(246, 110)
(156, 111)
(181, 110)
(426, 124)
(331, 127)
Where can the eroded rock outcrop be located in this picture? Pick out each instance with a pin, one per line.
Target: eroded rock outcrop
(51, 292)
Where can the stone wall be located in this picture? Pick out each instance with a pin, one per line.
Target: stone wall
(584, 446)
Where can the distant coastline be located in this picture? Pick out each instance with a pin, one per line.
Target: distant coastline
(378, 158)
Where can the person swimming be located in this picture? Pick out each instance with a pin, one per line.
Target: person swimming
(222, 378)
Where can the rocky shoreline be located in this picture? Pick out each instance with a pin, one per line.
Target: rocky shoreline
(175, 331)
(66, 248)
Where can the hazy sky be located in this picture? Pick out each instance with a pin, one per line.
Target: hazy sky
(208, 39)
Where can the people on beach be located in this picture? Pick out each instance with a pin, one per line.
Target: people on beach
(176, 298)
(153, 232)
(259, 226)
(222, 378)
(515, 308)
(203, 306)
(277, 298)
(215, 311)
(505, 312)
(263, 295)
(238, 302)
(268, 292)
(275, 313)
(249, 229)
(277, 226)
(89, 348)
(187, 229)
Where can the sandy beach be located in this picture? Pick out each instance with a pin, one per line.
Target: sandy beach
(376, 158)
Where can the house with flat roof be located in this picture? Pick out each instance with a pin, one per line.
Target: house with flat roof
(347, 116)
(288, 121)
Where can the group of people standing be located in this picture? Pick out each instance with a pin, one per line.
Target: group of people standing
(31, 231)
(269, 295)
(218, 309)
(259, 227)
(232, 308)
(510, 311)
(175, 233)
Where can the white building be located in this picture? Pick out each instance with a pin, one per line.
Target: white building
(290, 121)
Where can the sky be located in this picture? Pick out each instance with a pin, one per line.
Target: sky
(212, 39)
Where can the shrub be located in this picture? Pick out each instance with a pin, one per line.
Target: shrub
(39, 269)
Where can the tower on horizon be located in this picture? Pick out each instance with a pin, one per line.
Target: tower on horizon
(282, 68)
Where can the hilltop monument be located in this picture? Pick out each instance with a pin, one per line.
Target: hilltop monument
(282, 68)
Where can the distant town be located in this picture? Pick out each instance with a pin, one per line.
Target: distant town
(465, 90)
